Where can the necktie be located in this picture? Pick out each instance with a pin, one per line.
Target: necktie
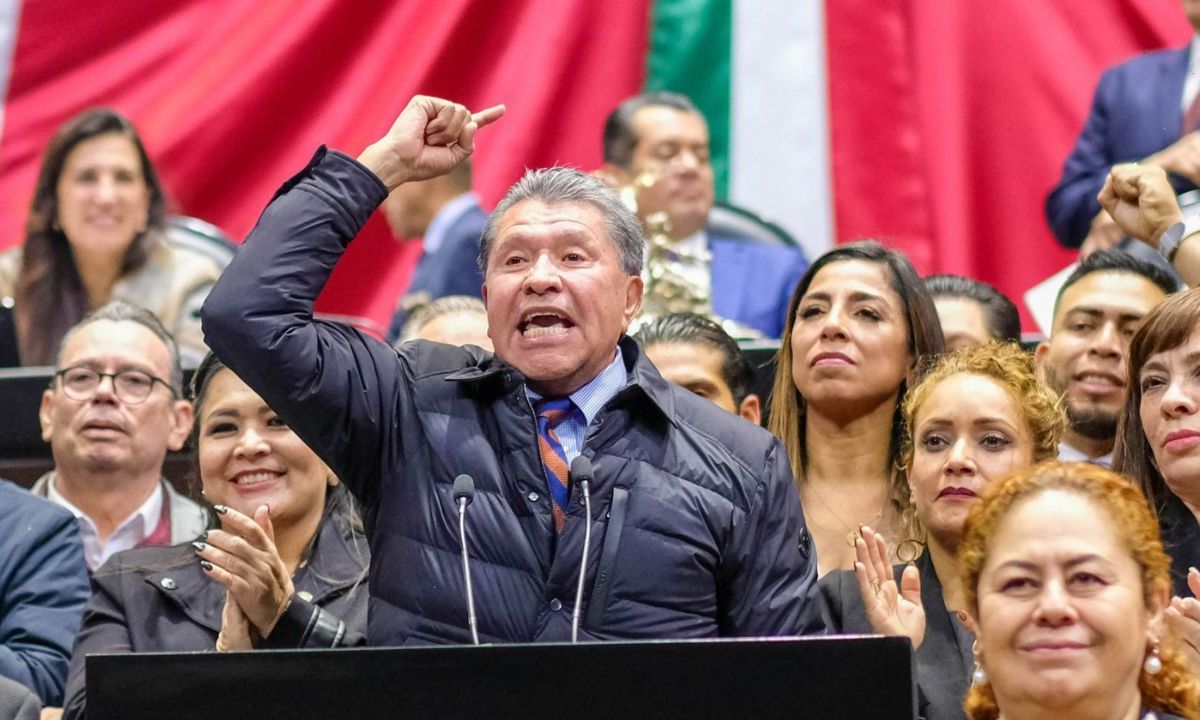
(550, 414)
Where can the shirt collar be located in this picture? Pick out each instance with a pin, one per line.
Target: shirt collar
(1068, 453)
(147, 514)
(592, 397)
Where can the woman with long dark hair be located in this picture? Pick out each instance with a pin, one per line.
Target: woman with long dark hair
(97, 232)
(285, 566)
(859, 325)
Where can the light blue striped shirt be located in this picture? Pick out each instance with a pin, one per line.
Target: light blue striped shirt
(589, 400)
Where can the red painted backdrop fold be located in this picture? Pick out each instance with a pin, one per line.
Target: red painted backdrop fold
(233, 96)
(950, 121)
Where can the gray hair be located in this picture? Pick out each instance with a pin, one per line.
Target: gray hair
(558, 185)
(422, 315)
(121, 311)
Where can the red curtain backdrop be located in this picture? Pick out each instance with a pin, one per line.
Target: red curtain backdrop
(951, 120)
(233, 96)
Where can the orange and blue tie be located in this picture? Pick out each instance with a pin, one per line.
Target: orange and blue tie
(550, 414)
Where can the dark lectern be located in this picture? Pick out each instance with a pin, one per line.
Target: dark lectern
(865, 678)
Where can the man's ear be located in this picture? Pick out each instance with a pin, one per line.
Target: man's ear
(45, 417)
(182, 414)
(751, 409)
(1039, 353)
(614, 176)
(635, 289)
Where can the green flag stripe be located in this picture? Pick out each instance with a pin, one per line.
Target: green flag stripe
(689, 54)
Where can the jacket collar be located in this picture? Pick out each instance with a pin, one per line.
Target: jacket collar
(645, 385)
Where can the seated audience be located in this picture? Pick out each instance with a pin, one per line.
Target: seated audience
(454, 320)
(97, 233)
(1065, 582)
(1159, 446)
(112, 412)
(972, 312)
(656, 151)
(563, 260)
(978, 414)
(695, 353)
(286, 568)
(446, 215)
(1141, 202)
(43, 587)
(857, 328)
(1095, 314)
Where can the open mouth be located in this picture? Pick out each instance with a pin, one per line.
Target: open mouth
(544, 324)
(1099, 383)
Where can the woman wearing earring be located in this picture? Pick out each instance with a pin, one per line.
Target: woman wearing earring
(858, 324)
(976, 415)
(285, 568)
(1066, 583)
(97, 232)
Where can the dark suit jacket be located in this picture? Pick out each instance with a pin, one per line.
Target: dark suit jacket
(43, 588)
(452, 269)
(1135, 113)
(943, 671)
(1181, 540)
(752, 283)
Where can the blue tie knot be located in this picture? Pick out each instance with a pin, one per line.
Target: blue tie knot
(554, 411)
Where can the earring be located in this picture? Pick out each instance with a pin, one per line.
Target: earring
(979, 676)
(1153, 664)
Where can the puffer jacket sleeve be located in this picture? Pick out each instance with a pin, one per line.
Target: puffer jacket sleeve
(332, 384)
(773, 586)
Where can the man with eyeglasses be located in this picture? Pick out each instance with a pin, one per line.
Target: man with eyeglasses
(112, 411)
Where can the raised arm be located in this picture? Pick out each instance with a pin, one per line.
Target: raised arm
(330, 383)
(1142, 202)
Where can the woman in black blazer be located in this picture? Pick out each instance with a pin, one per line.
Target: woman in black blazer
(285, 568)
(976, 415)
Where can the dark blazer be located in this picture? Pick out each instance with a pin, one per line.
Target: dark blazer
(943, 670)
(452, 269)
(1135, 113)
(43, 588)
(753, 283)
(1181, 541)
(697, 529)
(157, 599)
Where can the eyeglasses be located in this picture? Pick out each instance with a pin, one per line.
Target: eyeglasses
(131, 386)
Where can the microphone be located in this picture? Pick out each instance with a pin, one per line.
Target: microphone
(464, 493)
(581, 472)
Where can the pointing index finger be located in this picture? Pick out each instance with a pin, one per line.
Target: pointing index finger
(489, 115)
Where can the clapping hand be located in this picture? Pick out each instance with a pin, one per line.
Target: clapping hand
(891, 610)
(1183, 622)
(242, 557)
(429, 138)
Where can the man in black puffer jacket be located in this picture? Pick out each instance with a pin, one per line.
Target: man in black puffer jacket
(697, 529)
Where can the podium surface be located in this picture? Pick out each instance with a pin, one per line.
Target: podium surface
(866, 678)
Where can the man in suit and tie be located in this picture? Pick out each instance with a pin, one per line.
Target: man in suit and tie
(657, 146)
(1146, 110)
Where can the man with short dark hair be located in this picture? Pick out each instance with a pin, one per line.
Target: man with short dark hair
(693, 352)
(972, 312)
(1096, 312)
(111, 413)
(696, 523)
(656, 152)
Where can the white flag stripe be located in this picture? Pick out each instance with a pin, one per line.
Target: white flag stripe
(10, 13)
(779, 124)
